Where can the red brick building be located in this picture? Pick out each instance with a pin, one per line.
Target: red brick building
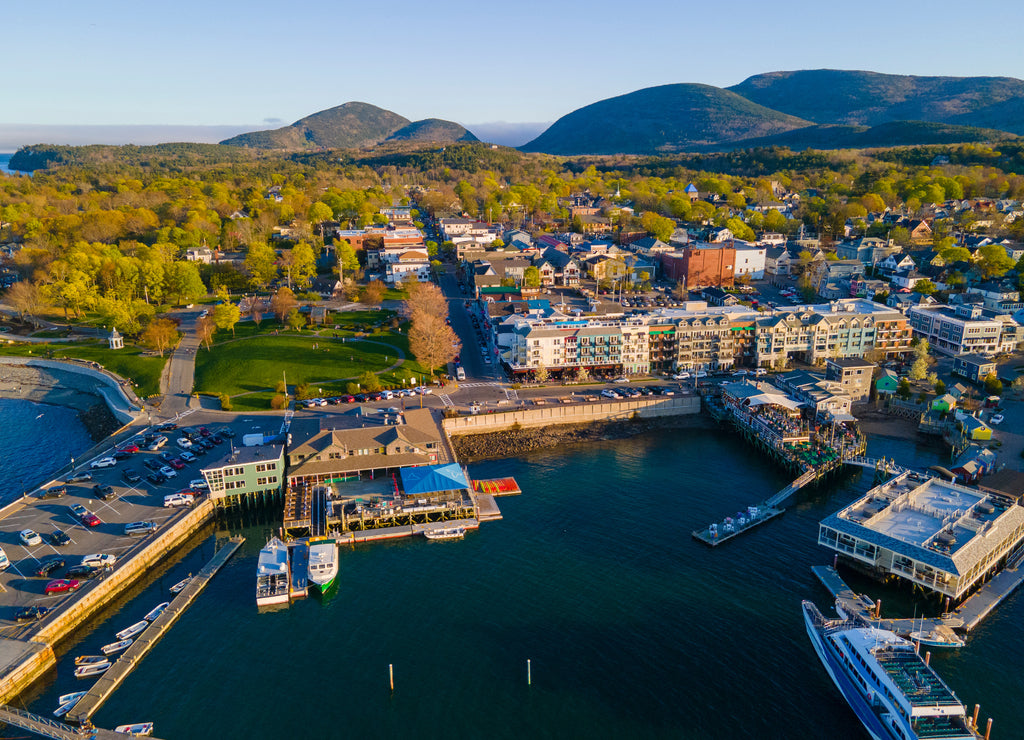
(701, 265)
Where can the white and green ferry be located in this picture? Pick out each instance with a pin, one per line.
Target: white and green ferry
(323, 564)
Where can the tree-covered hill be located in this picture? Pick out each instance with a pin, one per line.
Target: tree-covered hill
(433, 129)
(347, 126)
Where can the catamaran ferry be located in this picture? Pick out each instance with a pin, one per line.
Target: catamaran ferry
(323, 563)
(890, 688)
(272, 574)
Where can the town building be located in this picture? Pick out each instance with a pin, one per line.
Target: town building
(700, 264)
(258, 469)
(853, 375)
(973, 367)
(956, 330)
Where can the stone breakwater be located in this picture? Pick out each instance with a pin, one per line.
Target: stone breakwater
(512, 442)
(45, 385)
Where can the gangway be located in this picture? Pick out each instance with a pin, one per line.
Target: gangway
(46, 727)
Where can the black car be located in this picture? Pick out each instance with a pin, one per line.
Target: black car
(205, 444)
(83, 571)
(227, 432)
(130, 476)
(360, 398)
(57, 538)
(53, 492)
(217, 439)
(49, 567)
(167, 456)
(104, 493)
(156, 478)
(168, 427)
(31, 613)
(153, 463)
(121, 455)
(79, 477)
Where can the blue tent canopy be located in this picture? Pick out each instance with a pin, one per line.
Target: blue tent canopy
(432, 479)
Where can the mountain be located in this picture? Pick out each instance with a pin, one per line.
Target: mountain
(835, 96)
(347, 126)
(661, 119)
(894, 133)
(433, 129)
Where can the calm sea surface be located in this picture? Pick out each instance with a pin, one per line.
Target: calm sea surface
(5, 160)
(633, 628)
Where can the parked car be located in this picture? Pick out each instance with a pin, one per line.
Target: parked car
(206, 432)
(188, 457)
(130, 476)
(91, 520)
(185, 443)
(5, 562)
(139, 529)
(121, 455)
(227, 432)
(682, 376)
(100, 560)
(608, 393)
(104, 493)
(199, 483)
(62, 586)
(29, 538)
(996, 419)
(79, 477)
(167, 427)
(78, 511)
(178, 499)
(216, 439)
(49, 567)
(167, 471)
(83, 571)
(31, 613)
(156, 444)
(156, 478)
(130, 448)
(177, 464)
(53, 492)
(153, 463)
(103, 462)
(167, 457)
(58, 538)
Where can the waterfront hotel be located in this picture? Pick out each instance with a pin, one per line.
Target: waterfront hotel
(938, 535)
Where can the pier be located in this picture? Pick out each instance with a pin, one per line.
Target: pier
(408, 530)
(107, 683)
(715, 534)
(45, 727)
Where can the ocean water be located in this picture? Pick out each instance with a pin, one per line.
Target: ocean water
(633, 629)
(5, 161)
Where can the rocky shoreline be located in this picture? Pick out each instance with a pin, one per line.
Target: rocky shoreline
(512, 442)
(60, 389)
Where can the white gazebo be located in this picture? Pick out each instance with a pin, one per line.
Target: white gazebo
(115, 340)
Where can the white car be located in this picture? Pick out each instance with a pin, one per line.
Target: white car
(423, 390)
(187, 456)
(740, 373)
(996, 419)
(100, 560)
(760, 371)
(682, 376)
(5, 562)
(178, 499)
(199, 484)
(103, 462)
(608, 393)
(701, 374)
(168, 471)
(623, 379)
(29, 538)
(185, 443)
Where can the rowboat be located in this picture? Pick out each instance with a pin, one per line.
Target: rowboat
(116, 647)
(180, 585)
(139, 729)
(93, 669)
(445, 533)
(66, 703)
(73, 696)
(132, 631)
(87, 659)
(157, 611)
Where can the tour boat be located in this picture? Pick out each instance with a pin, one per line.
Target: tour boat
(116, 647)
(93, 669)
(87, 659)
(894, 693)
(178, 587)
(445, 533)
(66, 703)
(157, 611)
(132, 631)
(323, 564)
(272, 574)
(140, 729)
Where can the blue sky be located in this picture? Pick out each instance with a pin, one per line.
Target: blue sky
(227, 62)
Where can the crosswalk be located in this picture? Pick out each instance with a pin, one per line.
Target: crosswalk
(445, 399)
(511, 394)
(479, 385)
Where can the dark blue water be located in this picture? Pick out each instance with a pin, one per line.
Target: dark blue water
(5, 161)
(36, 440)
(633, 628)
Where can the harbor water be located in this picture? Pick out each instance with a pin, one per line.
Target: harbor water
(633, 629)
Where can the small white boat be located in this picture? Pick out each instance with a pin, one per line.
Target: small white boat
(66, 703)
(139, 729)
(132, 631)
(116, 647)
(178, 587)
(93, 669)
(445, 533)
(940, 637)
(73, 696)
(87, 659)
(157, 611)
(272, 574)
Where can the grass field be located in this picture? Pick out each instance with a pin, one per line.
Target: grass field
(128, 362)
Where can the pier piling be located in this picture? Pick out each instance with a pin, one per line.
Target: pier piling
(974, 717)
(529, 680)
(391, 676)
(988, 729)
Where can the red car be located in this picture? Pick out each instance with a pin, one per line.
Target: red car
(62, 585)
(176, 463)
(91, 520)
(130, 448)
(205, 432)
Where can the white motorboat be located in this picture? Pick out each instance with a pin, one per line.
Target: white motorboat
(116, 647)
(272, 574)
(178, 587)
(157, 611)
(73, 696)
(323, 563)
(445, 533)
(87, 659)
(93, 669)
(66, 703)
(132, 631)
(139, 729)
(940, 637)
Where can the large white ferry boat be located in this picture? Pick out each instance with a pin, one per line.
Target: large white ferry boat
(323, 563)
(890, 688)
(272, 574)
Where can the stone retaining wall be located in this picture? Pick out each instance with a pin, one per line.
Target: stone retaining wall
(123, 403)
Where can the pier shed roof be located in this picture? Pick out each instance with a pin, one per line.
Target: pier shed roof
(433, 479)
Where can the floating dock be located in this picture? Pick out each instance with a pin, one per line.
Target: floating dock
(991, 594)
(107, 683)
(497, 487)
(46, 727)
(406, 530)
(719, 532)
(298, 555)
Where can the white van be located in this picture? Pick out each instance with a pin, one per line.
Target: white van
(460, 373)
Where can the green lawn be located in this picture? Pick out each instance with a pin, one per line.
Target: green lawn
(128, 362)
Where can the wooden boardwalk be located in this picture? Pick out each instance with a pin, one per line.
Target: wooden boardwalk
(486, 507)
(45, 727)
(404, 530)
(109, 681)
(988, 597)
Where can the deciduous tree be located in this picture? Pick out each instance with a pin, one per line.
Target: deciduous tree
(295, 319)
(160, 335)
(226, 315)
(432, 341)
(282, 302)
(373, 293)
(425, 298)
(205, 328)
(26, 297)
(261, 262)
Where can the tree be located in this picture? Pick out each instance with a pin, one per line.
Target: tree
(318, 213)
(159, 335)
(775, 222)
(540, 374)
(659, 226)
(903, 389)
(369, 381)
(431, 340)
(955, 254)
(919, 370)
(282, 302)
(182, 280)
(226, 315)
(26, 297)
(993, 261)
(204, 330)
(295, 319)
(303, 268)
(582, 374)
(939, 387)
(993, 385)
(925, 287)
(261, 262)
(373, 293)
(531, 277)
(900, 235)
(255, 311)
(425, 298)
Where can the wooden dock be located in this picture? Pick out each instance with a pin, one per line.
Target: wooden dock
(988, 597)
(46, 727)
(716, 534)
(107, 683)
(406, 530)
(486, 507)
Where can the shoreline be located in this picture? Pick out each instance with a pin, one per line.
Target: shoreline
(67, 390)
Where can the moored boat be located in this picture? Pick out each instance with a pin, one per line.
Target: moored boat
(132, 631)
(87, 659)
(66, 703)
(272, 574)
(73, 696)
(445, 533)
(157, 611)
(93, 669)
(940, 637)
(323, 564)
(178, 587)
(116, 647)
(895, 694)
(139, 729)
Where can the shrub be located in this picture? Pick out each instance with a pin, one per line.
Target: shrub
(281, 387)
(369, 382)
(279, 402)
(225, 402)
